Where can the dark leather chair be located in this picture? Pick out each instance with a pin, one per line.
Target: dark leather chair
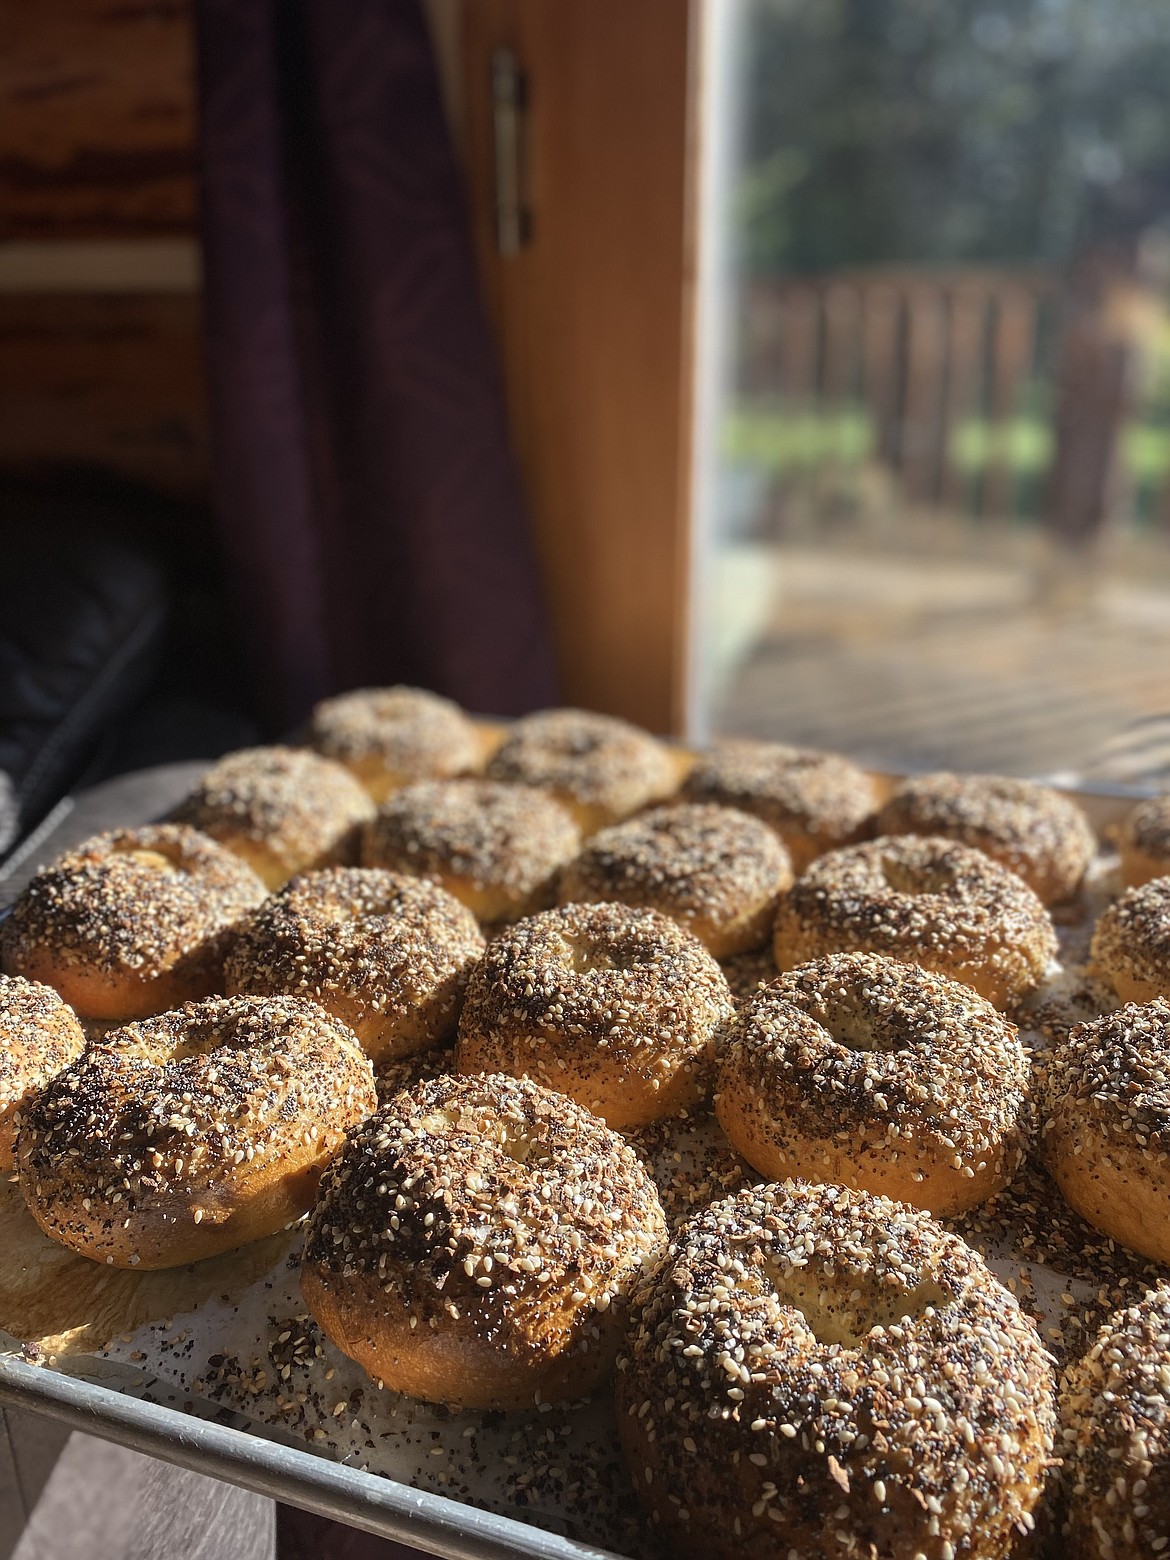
(81, 623)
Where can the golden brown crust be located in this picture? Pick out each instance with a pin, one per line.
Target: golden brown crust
(878, 1075)
(131, 922)
(1035, 831)
(600, 768)
(811, 1362)
(283, 810)
(1131, 943)
(475, 1243)
(497, 848)
(194, 1132)
(1105, 1104)
(39, 1035)
(925, 901)
(715, 871)
(388, 955)
(390, 737)
(617, 1008)
(1114, 1412)
(815, 801)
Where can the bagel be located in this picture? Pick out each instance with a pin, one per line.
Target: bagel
(878, 1075)
(387, 955)
(390, 737)
(718, 872)
(1130, 949)
(815, 801)
(1106, 1124)
(1115, 1437)
(818, 1371)
(1143, 842)
(616, 1007)
(475, 1242)
(282, 810)
(39, 1035)
(194, 1132)
(496, 848)
(131, 922)
(1038, 833)
(599, 768)
(931, 902)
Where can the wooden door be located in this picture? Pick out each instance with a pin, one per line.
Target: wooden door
(593, 318)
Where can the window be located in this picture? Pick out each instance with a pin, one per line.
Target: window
(935, 378)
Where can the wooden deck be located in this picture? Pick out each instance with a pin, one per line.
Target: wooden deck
(916, 665)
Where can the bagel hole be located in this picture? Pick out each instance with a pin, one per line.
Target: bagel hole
(523, 1149)
(917, 878)
(518, 1145)
(202, 1042)
(342, 912)
(160, 1050)
(163, 858)
(856, 1030)
(188, 1050)
(585, 955)
(573, 743)
(834, 1317)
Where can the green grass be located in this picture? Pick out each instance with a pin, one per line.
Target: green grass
(778, 442)
(1023, 445)
(1146, 452)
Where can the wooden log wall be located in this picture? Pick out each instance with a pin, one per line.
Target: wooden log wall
(100, 347)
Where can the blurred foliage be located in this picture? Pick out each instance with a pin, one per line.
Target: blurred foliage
(950, 130)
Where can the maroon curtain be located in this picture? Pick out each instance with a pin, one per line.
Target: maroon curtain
(370, 507)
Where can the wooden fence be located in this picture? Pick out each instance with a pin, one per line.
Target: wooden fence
(925, 352)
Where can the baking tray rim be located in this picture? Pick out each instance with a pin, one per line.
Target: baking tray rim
(378, 1504)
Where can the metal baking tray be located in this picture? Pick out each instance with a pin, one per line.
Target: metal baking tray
(216, 1446)
(197, 1436)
